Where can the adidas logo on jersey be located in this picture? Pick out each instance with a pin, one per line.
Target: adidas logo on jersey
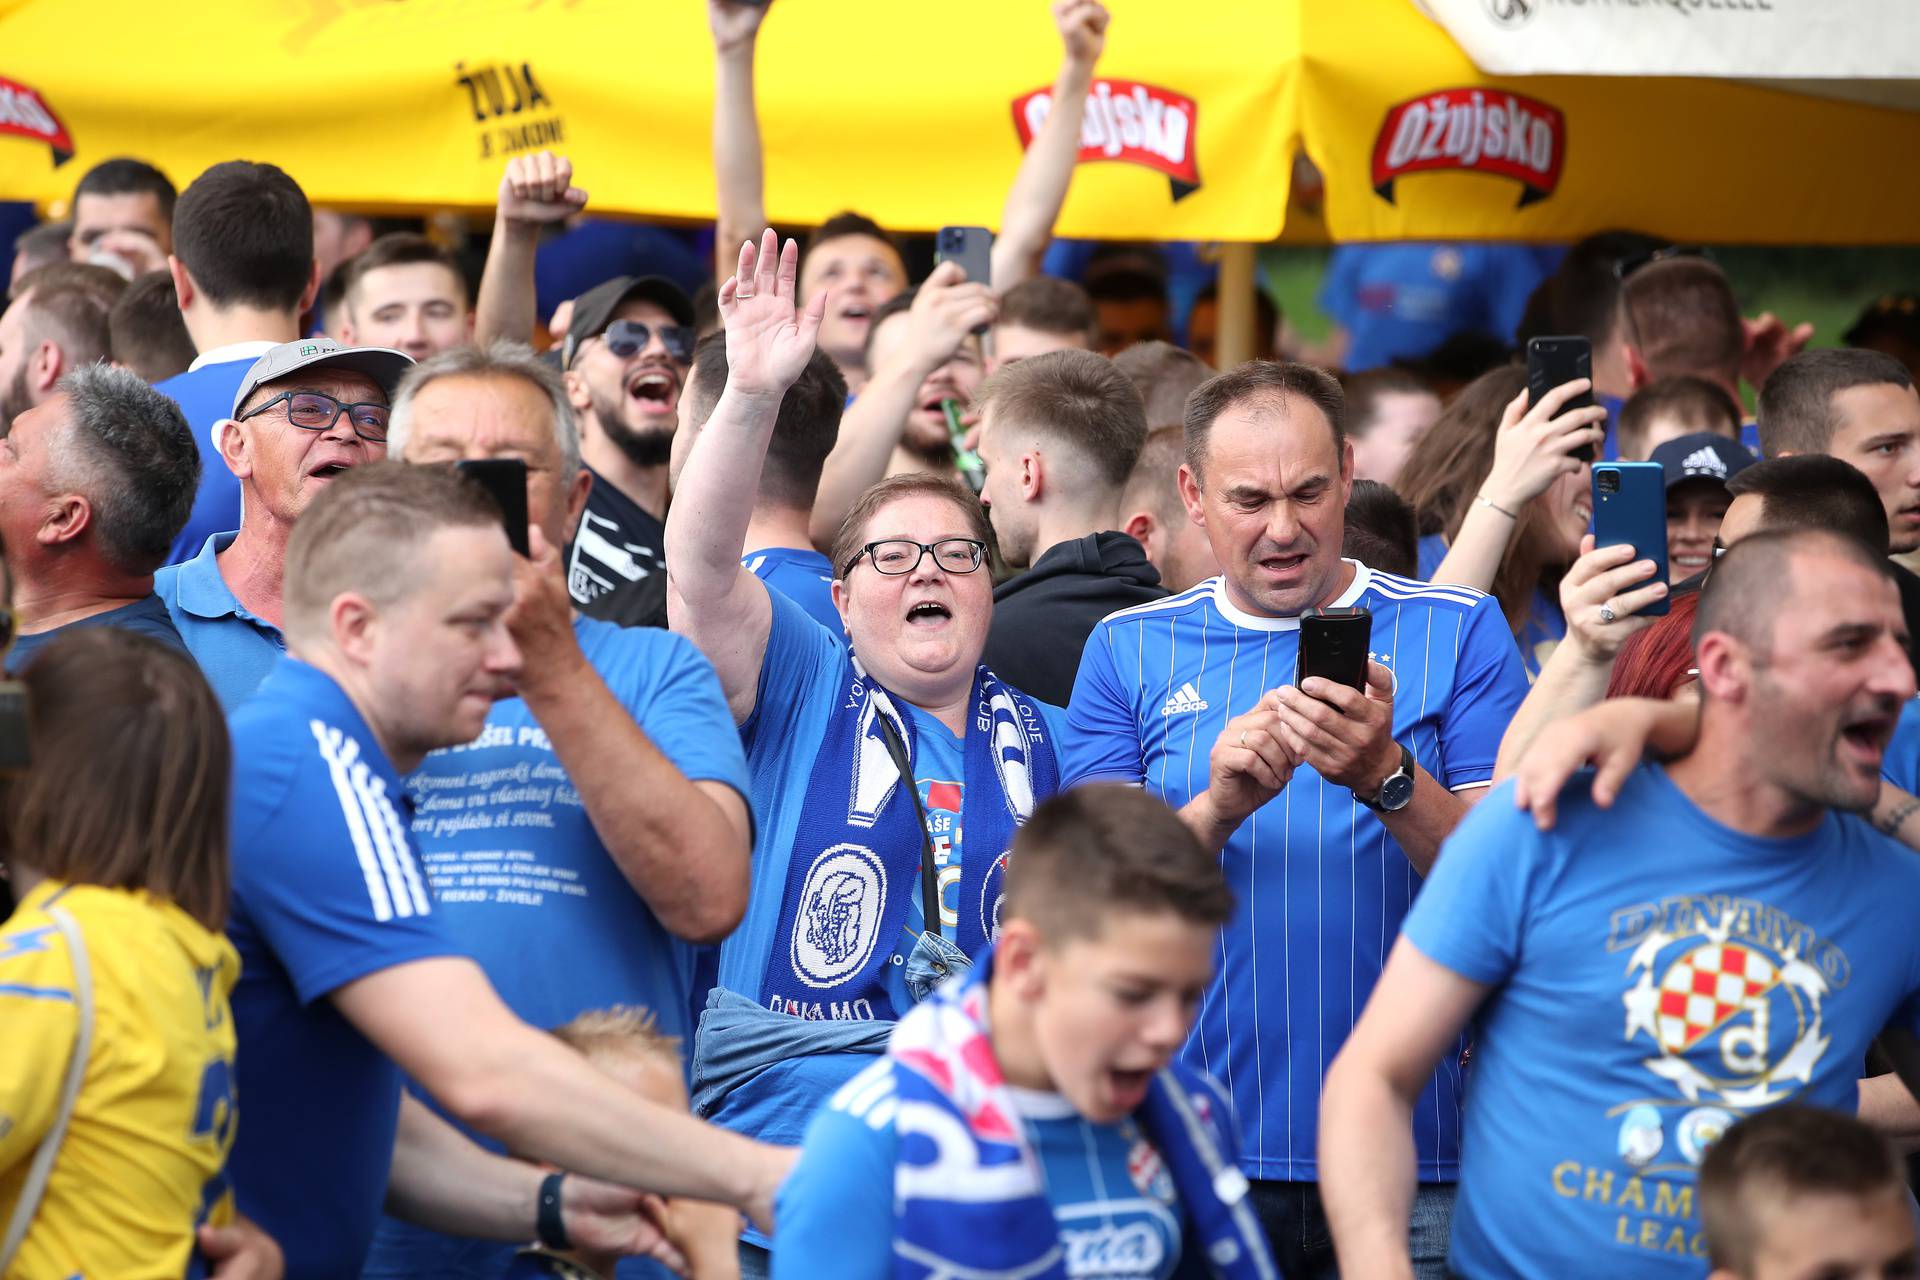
(1185, 700)
(1704, 461)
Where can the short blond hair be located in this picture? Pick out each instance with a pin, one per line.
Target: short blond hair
(619, 1029)
(362, 531)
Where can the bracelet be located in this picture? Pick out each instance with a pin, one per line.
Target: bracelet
(1481, 500)
(550, 1226)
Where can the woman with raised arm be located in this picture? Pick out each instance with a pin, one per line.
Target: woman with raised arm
(888, 775)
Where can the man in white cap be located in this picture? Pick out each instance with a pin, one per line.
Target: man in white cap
(305, 412)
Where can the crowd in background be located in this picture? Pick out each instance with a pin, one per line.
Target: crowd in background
(691, 752)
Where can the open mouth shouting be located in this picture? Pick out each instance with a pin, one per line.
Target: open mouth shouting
(654, 390)
(1864, 737)
(929, 615)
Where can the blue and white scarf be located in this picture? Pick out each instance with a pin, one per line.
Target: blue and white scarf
(855, 866)
(970, 1196)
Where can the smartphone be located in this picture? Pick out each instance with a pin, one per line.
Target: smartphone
(1333, 646)
(1630, 506)
(971, 247)
(505, 479)
(1552, 361)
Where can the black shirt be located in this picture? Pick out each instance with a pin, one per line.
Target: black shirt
(617, 567)
(1041, 619)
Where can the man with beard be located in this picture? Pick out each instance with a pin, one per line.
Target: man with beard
(1636, 987)
(626, 357)
(57, 323)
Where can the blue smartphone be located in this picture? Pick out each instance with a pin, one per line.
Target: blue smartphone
(1630, 506)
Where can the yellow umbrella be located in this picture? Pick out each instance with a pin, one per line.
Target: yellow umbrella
(915, 115)
(1415, 142)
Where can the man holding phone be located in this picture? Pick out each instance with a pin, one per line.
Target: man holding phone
(1328, 803)
(613, 831)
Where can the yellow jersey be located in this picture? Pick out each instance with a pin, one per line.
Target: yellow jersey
(145, 1155)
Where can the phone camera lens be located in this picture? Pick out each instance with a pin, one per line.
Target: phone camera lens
(1609, 482)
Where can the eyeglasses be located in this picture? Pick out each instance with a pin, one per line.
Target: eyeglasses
(626, 338)
(896, 556)
(316, 411)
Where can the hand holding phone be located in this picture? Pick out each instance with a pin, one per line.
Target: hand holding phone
(972, 248)
(505, 480)
(1538, 441)
(1554, 362)
(1630, 506)
(1333, 646)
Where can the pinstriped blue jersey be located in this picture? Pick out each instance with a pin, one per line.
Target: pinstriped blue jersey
(1321, 886)
(326, 890)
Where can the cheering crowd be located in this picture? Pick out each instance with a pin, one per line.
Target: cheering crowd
(815, 778)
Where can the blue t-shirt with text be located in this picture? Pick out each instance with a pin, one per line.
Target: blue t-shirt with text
(804, 577)
(326, 890)
(1654, 976)
(1113, 1200)
(800, 687)
(523, 883)
(1901, 765)
(1321, 886)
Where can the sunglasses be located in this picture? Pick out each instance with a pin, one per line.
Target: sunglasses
(627, 338)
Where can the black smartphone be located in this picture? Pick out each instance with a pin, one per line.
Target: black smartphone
(1333, 646)
(1630, 506)
(1552, 361)
(971, 247)
(505, 479)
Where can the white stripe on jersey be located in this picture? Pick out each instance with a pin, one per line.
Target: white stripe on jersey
(1399, 588)
(403, 881)
(858, 1097)
(1199, 591)
(330, 741)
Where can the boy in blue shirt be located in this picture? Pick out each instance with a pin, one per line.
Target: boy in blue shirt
(1030, 1119)
(1728, 935)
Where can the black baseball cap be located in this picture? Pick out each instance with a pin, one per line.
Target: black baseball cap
(593, 310)
(1704, 455)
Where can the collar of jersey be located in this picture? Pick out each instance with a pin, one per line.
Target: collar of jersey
(1256, 622)
(205, 594)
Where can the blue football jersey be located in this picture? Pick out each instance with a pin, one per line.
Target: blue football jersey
(1321, 885)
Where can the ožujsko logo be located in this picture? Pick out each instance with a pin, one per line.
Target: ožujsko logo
(1130, 122)
(1510, 13)
(24, 114)
(1476, 130)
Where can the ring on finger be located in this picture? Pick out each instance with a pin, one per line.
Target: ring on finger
(1606, 612)
(743, 293)
(1243, 737)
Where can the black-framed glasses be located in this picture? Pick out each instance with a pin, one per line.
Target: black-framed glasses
(895, 556)
(627, 338)
(316, 411)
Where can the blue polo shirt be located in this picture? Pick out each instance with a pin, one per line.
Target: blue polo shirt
(326, 890)
(234, 648)
(205, 394)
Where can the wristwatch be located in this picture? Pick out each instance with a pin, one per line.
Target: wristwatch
(1397, 791)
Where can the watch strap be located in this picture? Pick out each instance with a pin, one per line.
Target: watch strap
(551, 1225)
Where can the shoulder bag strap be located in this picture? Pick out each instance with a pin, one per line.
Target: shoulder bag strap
(929, 888)
(42, 1167)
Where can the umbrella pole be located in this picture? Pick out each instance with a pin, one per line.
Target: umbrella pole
(1235, 338)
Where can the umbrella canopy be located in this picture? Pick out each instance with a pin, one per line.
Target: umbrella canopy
(1415, 141)
(915, 115)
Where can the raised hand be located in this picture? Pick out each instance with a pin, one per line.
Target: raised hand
(946, 310)
(1534, 446)
(769, 340)
(735, 23)
(1768, 343)
(539, 188)
(1083, 28)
